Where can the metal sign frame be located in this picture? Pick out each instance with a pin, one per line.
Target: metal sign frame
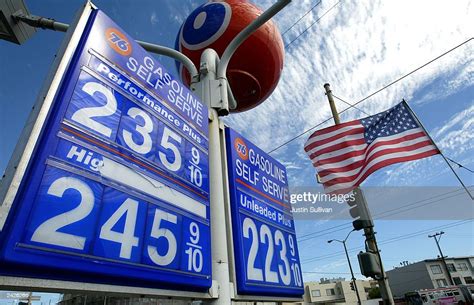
(230, 234)
(20, 167)
(30, 135)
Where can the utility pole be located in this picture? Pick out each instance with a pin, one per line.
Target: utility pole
(371, 242)
(350, 265)
(437, 239)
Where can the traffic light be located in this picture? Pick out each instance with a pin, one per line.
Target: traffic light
(359, 211)
(369, 264)
(352, 285)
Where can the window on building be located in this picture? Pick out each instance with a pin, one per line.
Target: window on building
(469, 280)
(462, 266)
(436, 269)
(457, 281)
(315, 293)
(451, 267)
(441, 283)
(330, 292)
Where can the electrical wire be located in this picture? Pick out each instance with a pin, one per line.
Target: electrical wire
(313, 23)
(390, 240)
(361, 110)
(348, 225)
(460, 165)
(352, 106)
(312, 8)
(374, 93)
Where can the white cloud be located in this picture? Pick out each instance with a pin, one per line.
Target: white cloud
(154, 18)
(457, 135)
(360, 47)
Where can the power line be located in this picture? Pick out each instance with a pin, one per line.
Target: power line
(457, 163)
(419, 206)
(342, 273)
(316, 21)
(312, 8)
(400, 237)
(322, 272)
(346, 226)
(404, 207)
(304, 132)
(351, 106)
(391, 240)
(460, 165)
(374, 93)
(355, 107)
(309, 234)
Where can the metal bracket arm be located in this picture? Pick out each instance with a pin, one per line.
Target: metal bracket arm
(240, 38)
(51, 24)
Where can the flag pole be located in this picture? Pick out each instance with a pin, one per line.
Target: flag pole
(440, 152)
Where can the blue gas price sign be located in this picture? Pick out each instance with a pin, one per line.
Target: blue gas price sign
(117, 190)
(265, 250)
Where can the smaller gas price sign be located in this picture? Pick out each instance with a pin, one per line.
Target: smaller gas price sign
(118, 188)
(265, 250)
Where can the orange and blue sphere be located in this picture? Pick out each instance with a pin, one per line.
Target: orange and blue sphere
(255, 68)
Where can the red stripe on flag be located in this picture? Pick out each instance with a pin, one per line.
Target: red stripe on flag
(380, 153)
(340, 158)
(381, 164)
(333, 138)
(367, 150)
(333, 128)
(337, 147)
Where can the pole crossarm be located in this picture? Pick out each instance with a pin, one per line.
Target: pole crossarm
(437, 238)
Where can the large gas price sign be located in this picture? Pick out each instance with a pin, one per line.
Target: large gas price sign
(265, 249)
(117, 190)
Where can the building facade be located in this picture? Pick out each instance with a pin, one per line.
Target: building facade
(430, 274)
(336, 292)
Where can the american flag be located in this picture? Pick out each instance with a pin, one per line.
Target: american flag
(346, 154)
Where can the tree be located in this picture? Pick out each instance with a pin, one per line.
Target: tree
(374, 293)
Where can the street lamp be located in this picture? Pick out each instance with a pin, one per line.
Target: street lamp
(343, 242)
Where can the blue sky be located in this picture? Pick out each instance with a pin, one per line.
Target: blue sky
(358, 47)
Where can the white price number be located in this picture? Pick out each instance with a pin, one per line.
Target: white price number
(49, 231)
(157, 232)
(196, 173)
(295, 267)
(264, 236)
(143, 129)
(194, 252)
